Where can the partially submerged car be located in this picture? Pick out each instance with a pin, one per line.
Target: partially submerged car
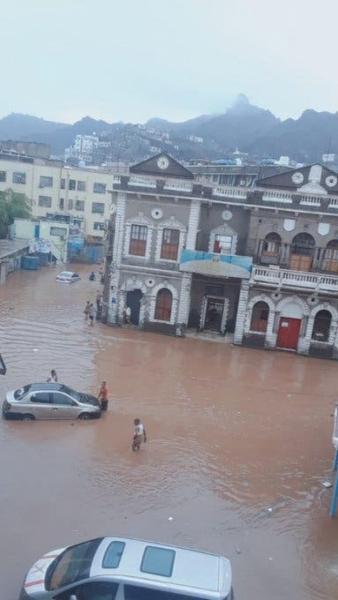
(110, 568)
(49, 401)
(68, 277)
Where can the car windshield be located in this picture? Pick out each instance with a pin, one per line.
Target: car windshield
(67, 390)
(86, 399)
(72, 565)
(21, 392)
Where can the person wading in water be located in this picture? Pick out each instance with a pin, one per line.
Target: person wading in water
(139, 435)
(53, 378)
(103, 396)
(86, 310)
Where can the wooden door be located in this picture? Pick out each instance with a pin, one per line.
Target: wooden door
(298, 262)
(288, 333)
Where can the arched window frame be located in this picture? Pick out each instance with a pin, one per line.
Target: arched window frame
(174, 307)
(259, 324)
(305, 248)
(321, 331)
(272, 243)
(161, 311)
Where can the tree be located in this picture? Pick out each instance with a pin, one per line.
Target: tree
(12, 206)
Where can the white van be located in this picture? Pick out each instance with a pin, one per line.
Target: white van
(125, 569)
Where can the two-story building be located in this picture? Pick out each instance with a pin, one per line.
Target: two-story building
(260, 264)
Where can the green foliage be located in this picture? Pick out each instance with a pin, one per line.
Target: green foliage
(12, 205)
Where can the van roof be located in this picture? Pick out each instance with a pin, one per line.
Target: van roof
(138, 561)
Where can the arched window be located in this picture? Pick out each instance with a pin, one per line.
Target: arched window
(321, 326)
(259, 317)
(330, 262)
(271, 244)
(164, 300)
(302, 252)
(303, 244)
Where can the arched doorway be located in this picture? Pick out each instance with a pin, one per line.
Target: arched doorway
(321, 326)
(271, 249)
(302, 252)
(330, 262)
(163, 306)
(133, 300)
(259, 317)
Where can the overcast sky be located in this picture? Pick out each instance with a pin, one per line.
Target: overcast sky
(135, 59)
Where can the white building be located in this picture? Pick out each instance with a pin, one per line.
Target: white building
(83, 148)
(52, 188)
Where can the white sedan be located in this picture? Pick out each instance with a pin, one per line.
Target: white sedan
(68, 277)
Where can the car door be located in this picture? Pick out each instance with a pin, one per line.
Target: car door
(93, 590)
(63, 406)
(39, 405)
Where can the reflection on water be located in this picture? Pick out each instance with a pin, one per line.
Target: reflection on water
(239, 442)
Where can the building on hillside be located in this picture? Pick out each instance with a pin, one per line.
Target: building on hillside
(79, 193)
(258, 265)
(83, 148)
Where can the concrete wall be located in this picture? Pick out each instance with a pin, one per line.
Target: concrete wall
(212, 217)
(262, 222)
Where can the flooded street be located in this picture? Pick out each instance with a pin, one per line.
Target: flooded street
(233, 432)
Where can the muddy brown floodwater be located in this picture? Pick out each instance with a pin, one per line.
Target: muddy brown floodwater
(232, 433)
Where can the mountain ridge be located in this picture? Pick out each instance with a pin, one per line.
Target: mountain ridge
(242, 126)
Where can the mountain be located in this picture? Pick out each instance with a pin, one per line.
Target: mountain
(305, 139)
(26, 127)
(62, 137)
(249, 128)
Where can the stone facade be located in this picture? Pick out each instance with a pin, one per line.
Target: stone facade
(261, 265)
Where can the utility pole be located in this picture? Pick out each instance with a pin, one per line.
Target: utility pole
(107, 268)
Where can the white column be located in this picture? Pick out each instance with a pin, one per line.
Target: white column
(117, 256)
(119, 228)
(194, 218)
(270, 336)
(241, 312)
(184, 302)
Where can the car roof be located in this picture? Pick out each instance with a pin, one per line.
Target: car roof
(38, 387)
(208, 573)
(67, 273)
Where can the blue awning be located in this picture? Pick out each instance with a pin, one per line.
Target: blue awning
(215, 265)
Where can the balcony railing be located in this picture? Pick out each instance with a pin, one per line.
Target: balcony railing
(296, 258)
(283, 278)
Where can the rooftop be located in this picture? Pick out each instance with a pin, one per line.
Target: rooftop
(9, 247)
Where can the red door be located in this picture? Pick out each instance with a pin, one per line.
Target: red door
(288, 333)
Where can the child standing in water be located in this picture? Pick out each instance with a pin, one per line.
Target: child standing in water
(139, 435)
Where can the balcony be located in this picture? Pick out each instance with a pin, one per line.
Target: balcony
(287, 279)
(213, 264)
(298, 258)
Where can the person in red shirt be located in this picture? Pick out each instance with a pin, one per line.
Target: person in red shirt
(103, 396)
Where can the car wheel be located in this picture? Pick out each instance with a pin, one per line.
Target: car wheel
(84, 416)
(28, 417)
